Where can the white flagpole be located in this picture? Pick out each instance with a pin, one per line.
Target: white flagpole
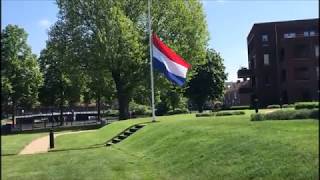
(151, 66)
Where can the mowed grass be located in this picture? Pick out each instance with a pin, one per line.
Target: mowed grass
(181, 147)
(13, 144)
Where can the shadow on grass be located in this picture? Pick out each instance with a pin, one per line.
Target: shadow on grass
(8, 154)
(80, 148)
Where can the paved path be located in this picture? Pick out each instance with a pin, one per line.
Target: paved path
(41, 145)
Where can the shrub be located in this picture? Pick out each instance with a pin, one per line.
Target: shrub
(178, 111)
(287, 105)
(138, 109)
(204, 114)
(112, 113)
(306, 105)
(239, 107)
(223, 113)
(161, 109)
(273, 106)
(230, 113)
(257, 117)
(287, 115)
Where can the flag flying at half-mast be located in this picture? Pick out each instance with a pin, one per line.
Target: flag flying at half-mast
(168, 62)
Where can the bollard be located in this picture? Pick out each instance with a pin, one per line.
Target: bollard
(51, 137)
(256, 106)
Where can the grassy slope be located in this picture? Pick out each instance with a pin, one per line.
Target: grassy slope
(182, 147)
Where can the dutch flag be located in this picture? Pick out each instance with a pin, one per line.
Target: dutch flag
(168, 62)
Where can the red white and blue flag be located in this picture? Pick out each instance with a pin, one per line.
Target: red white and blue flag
(168, 62)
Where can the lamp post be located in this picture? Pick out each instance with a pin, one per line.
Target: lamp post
(256, 105)
(22, 111)
(51, 135)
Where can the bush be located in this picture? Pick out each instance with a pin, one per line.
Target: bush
(205, 114)
(178, 111)
(257, 117)
(230, 113)
(112, 113)
(273, 106)
(306, 105)
(287, 105)
(239, 107)
(138, 109)
(223, 113)
(161, 109)
(287, 115)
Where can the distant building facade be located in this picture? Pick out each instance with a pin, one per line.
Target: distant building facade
(232, 95)
(283, 61)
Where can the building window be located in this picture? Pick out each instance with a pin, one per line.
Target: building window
(317, 71)
(264, 38)
(283, 75)
(306, 34)
(267, 80)
(289, 35)
(312, 33)
(301, 51)
(301, 73)
(266, 59)
(316, 50)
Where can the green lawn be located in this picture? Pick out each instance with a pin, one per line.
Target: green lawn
(181, 147)
(13, 144)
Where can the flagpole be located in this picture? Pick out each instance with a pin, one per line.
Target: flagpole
(151, 65)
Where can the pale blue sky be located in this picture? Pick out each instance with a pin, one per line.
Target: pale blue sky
(229, 22)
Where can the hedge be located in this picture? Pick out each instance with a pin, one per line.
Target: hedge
(230, 113)
(273, 106)
(222, 113)
(306, 105)
(177, 111)
(239, 107)
(287, 115)
(287, 105)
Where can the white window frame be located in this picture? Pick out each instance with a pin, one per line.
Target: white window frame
(289, 35)
(264, 38)
(266, 59)
(312, 33)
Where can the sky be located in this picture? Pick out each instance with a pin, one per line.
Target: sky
(229, 22)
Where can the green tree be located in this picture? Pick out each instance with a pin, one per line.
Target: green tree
(64, 81)
(120, 40)
(20, 73)
(208, 81)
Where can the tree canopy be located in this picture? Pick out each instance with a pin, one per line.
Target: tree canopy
(208, 81)
(20, 73)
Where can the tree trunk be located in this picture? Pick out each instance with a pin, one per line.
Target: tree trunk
(98, 105)
(123, 101)
(123, 96)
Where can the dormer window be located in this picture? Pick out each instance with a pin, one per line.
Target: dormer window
(264, 38)
(290, 35)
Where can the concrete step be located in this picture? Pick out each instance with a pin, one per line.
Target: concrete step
(133, 130)
(127, 133)
(122, 136)
(116, 140)
(139, 126)
(109, 144)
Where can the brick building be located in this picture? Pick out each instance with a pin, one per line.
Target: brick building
(233, 96)
(283, 61)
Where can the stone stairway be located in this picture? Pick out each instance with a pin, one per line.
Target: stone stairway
(124, 134)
